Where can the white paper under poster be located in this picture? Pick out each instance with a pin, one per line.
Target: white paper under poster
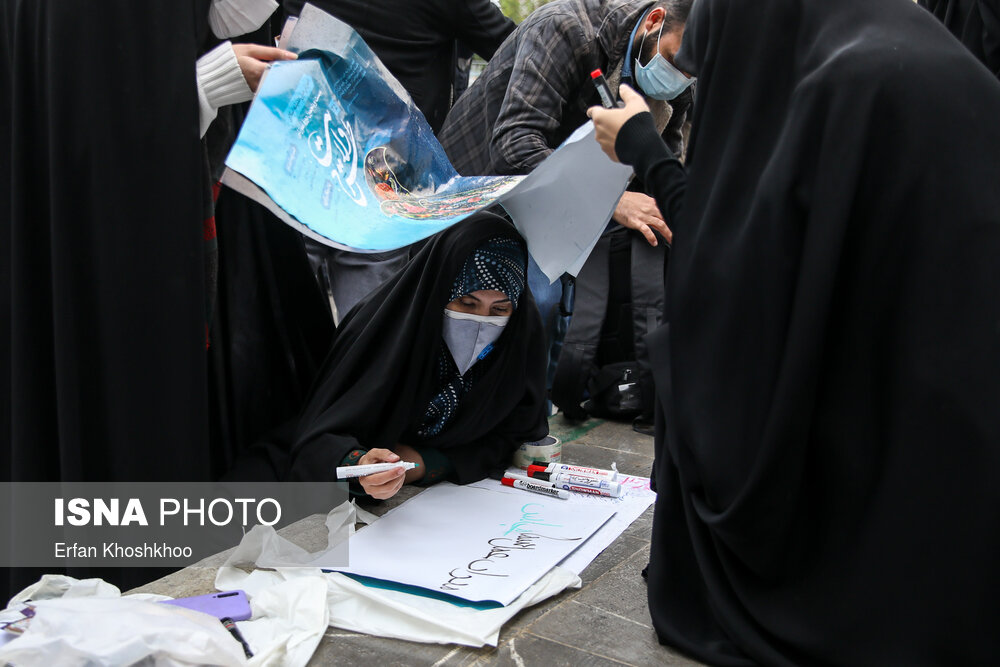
(475, 544)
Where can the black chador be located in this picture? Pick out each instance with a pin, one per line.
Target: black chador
(383, 372)
(828, 447)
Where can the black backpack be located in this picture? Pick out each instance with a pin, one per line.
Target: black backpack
(603, 368)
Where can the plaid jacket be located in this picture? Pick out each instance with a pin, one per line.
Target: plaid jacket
(536, 89)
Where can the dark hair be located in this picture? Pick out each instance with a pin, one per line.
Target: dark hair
(676, 12)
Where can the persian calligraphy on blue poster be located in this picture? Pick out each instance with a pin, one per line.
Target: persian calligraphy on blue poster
(336, 143)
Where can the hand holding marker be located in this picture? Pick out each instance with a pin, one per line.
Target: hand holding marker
(347, 472)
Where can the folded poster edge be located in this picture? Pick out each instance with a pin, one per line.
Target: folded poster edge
(240, 183)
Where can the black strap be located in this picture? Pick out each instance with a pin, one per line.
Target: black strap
(580, 345)
(648, 303)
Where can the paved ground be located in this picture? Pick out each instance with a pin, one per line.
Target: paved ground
(604, 623)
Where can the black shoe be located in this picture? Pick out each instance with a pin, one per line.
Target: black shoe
(643, 425)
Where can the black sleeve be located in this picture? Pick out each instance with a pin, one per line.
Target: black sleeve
(483, 28)
(639, 145)
(278, 458)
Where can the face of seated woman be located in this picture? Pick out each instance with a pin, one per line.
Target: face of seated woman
(484, 302)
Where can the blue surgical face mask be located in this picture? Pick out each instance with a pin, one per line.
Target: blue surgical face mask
(658, 78)
(470, 337)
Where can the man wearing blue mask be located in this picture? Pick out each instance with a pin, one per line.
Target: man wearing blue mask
(536, 89)
(535, 92)
(654, 73)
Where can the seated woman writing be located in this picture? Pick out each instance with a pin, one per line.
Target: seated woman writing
(443, 365)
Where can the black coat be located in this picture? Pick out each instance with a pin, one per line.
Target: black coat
(381, 373)
(976, 23)
(828, 443)
(102, 285)
(415, 40)
(103, 273)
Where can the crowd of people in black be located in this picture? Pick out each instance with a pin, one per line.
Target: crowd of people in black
(820, 177)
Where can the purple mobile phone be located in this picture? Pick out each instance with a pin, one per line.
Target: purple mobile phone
(228, 604)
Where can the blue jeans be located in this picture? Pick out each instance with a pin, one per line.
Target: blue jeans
(546, 296)
(553, 322)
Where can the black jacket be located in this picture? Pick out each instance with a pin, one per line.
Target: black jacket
(415, 40)
(536, 90)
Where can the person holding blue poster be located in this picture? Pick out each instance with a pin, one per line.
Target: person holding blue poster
(415, 40)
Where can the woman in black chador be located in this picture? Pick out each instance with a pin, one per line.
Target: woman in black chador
(828, 443)
(442, 365)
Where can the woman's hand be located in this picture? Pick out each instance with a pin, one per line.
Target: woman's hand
(411, 455)
(254, 60)
(607, 122)
(386, 484)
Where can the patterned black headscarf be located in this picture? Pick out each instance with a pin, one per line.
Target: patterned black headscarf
(497, 265)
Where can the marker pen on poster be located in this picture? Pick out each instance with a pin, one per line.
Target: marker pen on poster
(607, 99)
(610, 475)
(347, 472)
(536, 487)
(571, 482)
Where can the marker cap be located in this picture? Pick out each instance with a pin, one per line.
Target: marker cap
(596, 73)
(539, 474)
(535, 468)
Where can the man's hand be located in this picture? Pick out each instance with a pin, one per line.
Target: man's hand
(386, 484)
(639, 212)
(254, 59)
(607, 122)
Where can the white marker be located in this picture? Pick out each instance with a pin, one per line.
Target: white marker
(347, 472)
(580, 483)
(537, 487)
(610, 475)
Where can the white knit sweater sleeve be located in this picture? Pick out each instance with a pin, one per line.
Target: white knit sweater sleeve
(220, 82)
(229, 18)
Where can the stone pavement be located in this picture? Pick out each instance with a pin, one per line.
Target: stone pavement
(606, 622)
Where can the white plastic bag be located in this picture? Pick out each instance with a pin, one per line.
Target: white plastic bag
(120, 631)
(86, 622)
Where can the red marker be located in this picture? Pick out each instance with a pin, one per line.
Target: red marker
(607, 99)
(536, 487)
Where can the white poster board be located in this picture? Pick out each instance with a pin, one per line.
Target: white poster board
(635, 499)
(472, 543)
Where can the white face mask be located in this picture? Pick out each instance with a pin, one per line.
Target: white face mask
(231, 18)
(470, 337)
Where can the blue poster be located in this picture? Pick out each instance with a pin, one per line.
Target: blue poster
(336, 143)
